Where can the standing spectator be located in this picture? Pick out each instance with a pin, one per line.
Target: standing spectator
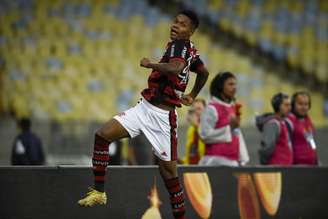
(220, 124)
(275, 144)
(301, 130)
(195, 147)
(27, 148)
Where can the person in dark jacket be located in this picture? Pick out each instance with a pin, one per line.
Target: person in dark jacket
(27, 147)
(276, 147)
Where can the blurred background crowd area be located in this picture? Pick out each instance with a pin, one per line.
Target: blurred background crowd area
(72, 65)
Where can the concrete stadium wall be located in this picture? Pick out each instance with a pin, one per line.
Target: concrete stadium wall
(52, 192)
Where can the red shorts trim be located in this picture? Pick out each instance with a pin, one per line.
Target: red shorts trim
(173, 124)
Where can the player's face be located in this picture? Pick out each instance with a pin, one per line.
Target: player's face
(285, 107)
(181, 28)
(230, 88)
(302, 105)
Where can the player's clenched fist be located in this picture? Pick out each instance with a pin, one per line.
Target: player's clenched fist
(187, 100)
(144, 62)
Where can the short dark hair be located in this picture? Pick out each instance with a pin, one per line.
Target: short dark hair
(299, 93)
(277, 100)
(24, 123)
(192, 15)
(217, 84)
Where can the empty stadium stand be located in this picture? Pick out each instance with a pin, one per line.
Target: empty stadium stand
(79, 60)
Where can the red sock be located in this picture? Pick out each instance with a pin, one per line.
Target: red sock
(176, 197)
(100, 161)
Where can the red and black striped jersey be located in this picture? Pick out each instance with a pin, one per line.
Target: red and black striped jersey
(168, 89)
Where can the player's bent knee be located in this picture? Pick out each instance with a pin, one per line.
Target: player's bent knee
(101, 132)
(106, 133)
(112, 131)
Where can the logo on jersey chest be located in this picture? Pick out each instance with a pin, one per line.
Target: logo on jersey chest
(184, 75)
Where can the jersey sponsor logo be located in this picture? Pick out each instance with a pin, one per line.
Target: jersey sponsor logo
(184, 75)
(172, 51)
(184, 51)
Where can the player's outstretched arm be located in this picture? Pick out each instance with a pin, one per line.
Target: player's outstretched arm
(202, 75)
(173, 67)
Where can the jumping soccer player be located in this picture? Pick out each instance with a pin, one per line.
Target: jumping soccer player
(155, 113)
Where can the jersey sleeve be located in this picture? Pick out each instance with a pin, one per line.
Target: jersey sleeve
(195, 65)
(178, 50)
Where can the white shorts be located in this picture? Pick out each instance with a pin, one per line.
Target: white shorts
(158, 125)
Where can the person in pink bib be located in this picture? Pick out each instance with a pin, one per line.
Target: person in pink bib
(276, 148)
(302, 130)
(220, 125)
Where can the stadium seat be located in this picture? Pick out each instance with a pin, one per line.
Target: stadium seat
(62, 63)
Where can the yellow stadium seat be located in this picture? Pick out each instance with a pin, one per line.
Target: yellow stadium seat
(114, 60)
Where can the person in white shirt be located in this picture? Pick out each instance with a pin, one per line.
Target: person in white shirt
(220, 125)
